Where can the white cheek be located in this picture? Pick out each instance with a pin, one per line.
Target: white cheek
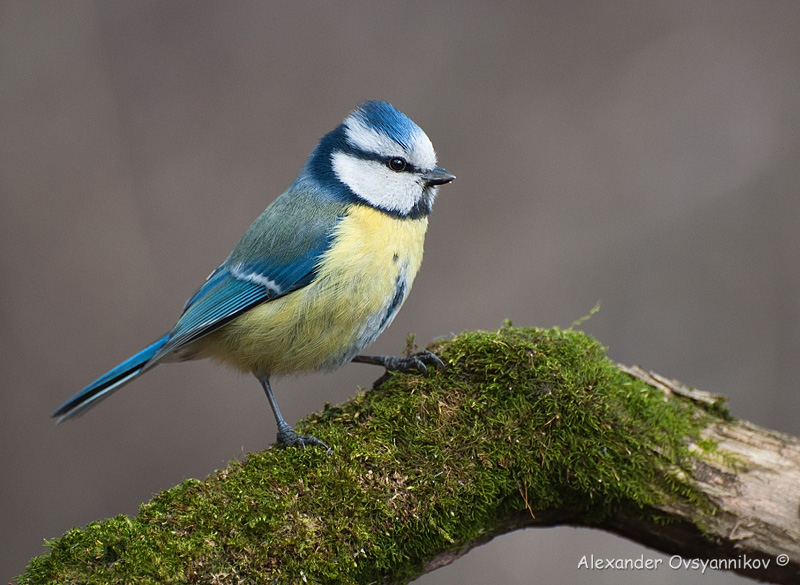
(376, 184)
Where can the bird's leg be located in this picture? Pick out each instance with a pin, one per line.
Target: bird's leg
(286, 434)
(414, 362)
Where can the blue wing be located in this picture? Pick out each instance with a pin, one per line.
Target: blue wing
(228, 292)
(233, 289)
(278, 254)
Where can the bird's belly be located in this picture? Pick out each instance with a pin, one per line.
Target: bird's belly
(361, 283)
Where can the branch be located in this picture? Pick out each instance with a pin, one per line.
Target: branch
(528, 427)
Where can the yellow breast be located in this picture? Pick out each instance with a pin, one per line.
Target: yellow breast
(362, 281)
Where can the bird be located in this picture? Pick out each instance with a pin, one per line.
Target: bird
(319, 274)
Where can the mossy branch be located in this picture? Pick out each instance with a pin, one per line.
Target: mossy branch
(528, 427)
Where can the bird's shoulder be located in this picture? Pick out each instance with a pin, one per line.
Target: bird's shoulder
(298, 222)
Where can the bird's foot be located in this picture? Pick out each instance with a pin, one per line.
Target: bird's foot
(289, 438)
(416, 362)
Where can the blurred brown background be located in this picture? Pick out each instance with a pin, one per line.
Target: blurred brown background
(643, 154)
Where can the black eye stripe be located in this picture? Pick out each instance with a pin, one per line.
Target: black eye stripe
(364, 155)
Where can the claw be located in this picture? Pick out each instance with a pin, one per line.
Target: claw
(289, 438)
(414, 362)
(432, 357)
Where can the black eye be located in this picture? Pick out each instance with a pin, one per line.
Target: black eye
(397, 164)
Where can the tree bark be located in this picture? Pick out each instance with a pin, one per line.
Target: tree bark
(753, 482)
(527, 428)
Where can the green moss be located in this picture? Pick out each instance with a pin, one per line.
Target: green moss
(522, 418)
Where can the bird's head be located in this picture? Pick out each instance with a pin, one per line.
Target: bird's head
(380, 158)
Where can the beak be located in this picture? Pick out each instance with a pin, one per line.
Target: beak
(437, 176)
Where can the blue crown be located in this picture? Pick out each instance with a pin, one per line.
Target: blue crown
(383, 117)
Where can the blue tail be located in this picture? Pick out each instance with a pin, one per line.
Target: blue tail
(106, 384)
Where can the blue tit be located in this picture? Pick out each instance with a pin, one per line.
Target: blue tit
(321, 272)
